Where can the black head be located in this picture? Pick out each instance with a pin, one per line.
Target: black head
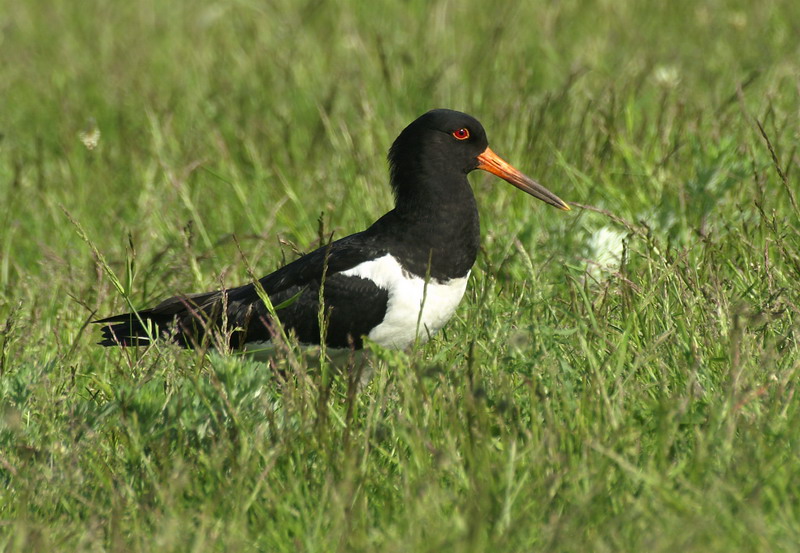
(438, 150)
(442, 140)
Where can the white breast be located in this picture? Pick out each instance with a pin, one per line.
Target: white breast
(414, 307)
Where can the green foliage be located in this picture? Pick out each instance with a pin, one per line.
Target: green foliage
(619, 378)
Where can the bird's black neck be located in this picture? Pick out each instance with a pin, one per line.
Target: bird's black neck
(434, 229)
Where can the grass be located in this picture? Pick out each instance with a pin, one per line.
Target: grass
(619, 378)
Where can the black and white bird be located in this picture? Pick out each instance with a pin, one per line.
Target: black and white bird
(397, 282)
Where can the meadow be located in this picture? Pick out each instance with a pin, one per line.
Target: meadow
(621, 377)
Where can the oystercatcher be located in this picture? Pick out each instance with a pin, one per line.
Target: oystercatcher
(396, 282)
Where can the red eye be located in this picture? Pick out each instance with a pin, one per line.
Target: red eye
(461, 134)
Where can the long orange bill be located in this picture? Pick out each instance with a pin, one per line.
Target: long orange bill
(490, 161)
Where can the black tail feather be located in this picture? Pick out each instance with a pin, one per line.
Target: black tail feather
(183, 320)
(136, 329)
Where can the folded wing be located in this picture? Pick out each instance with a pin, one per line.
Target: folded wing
(352, 306)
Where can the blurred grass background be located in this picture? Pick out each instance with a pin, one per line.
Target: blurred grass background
(618, 378)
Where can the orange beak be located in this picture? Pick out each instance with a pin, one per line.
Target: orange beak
(491, 162)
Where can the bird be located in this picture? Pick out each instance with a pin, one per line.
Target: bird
(396, 283)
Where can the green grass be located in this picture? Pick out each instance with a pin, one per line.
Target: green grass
(579, 401)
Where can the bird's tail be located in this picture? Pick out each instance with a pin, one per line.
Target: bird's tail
(133, 329)
(183, 320)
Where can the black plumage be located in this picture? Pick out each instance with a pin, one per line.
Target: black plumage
(360, 304)
(433, 233)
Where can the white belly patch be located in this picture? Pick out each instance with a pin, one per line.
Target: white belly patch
(408, 296)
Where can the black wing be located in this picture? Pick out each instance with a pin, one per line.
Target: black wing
(353, 305)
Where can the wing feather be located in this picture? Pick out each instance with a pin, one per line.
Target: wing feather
(353, 305)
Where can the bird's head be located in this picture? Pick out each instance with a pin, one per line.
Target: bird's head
(444, 143)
